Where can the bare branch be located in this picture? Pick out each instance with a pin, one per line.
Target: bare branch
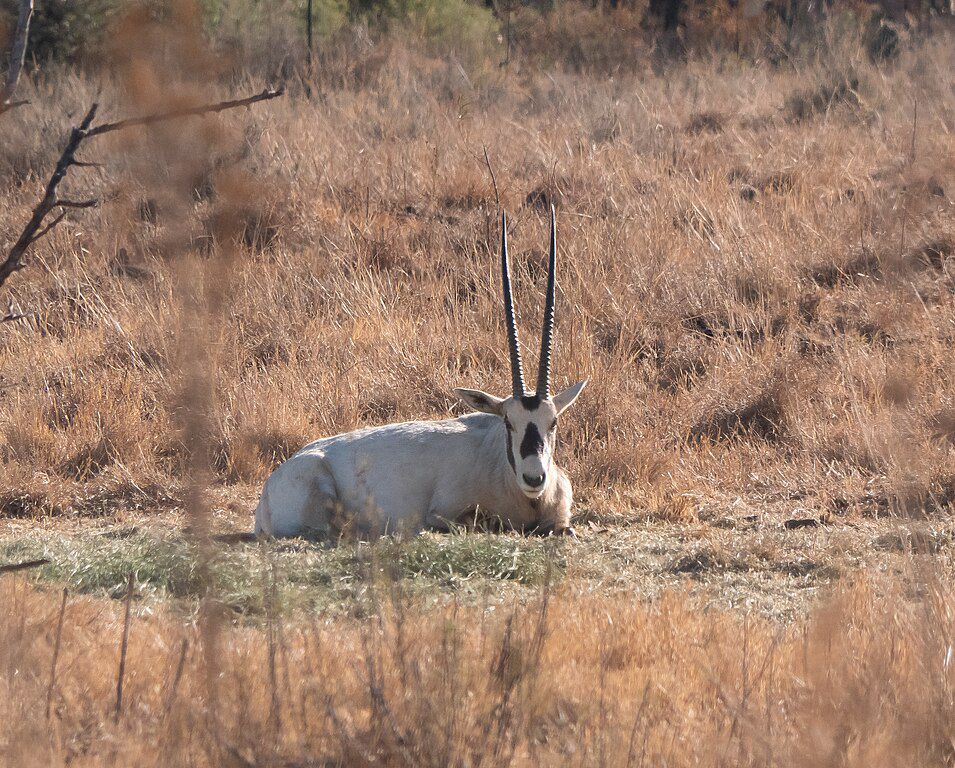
(18, 53)
(35, 228)
(14, 567)
(48, 227)
(49, 200)
(6, 106)
(160, 117)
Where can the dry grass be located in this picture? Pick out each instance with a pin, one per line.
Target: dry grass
(362, 285)
(757, 277)
(568, 680)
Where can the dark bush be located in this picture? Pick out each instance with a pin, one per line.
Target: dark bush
(65, 30)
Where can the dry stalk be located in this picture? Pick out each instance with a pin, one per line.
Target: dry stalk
(177, 677)
(270, 597)
(123, 648)
(309, 47)
(56, 654)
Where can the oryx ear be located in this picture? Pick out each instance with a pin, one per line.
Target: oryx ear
(565, 398)
(481, 401)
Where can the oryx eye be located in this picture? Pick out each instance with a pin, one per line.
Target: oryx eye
(553, 426)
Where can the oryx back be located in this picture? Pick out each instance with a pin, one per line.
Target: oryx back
(373, 481)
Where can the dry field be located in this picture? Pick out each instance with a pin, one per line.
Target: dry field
(757, 277)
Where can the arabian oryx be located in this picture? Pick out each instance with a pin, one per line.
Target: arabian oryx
(405, 478)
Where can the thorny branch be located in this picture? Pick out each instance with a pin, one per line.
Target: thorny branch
(37, 226)
(18, 53)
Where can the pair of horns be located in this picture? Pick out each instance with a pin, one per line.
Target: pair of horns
(547, 335)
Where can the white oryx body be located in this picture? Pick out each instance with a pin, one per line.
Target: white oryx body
(405, 478)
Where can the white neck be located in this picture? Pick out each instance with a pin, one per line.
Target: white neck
(491, 480)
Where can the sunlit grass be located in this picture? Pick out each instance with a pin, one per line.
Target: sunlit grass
(295, 574)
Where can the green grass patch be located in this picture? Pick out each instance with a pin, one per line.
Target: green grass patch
(457, 559)
(295, 574)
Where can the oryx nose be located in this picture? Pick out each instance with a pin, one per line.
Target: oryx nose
(534, 481)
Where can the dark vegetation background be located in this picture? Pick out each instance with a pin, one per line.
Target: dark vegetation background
(604, 34)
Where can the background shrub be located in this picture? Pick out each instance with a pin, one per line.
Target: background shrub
(68, 30)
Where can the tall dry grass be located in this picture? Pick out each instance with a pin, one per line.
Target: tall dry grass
(867, 680)
(756, 275)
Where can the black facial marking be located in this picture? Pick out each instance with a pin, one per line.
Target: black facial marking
(533, 443)
(510, 448)
(531, 402)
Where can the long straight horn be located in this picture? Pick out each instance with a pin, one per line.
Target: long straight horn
(547, 335)
(517, 368)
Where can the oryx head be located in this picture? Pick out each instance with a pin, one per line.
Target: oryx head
(530, 419)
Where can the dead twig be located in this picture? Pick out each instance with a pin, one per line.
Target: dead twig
(497, 197)
(14, 567)
(18, 54)
(161, 117)
(32, 231)
(37, 226)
